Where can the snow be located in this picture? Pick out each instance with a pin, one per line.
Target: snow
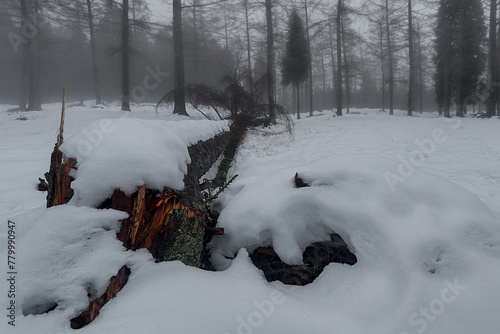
(156, 155)
(416, 199)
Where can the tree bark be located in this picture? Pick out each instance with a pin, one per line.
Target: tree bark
(249, 58)
(382, 63)
(25, 62)
(339, 59)
(95, 67)
(332, 55)
(390, 59)
(271, 87)
(420, 69)
(497, 72)
(116, 284)
(196, 43)
(390, 62)
(180, 98)
(310, 85)
(323, 80)
(125, 58)
(34, 48)
(492, 62)
(297, 88)
(346, 72)
(411, 59)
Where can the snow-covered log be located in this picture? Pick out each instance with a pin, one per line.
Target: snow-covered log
(151, 170)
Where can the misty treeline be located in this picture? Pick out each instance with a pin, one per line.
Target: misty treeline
(381, 54)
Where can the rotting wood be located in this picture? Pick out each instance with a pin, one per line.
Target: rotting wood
(58, 179)
(116, 284)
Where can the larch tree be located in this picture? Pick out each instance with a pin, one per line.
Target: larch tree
(296, 64)
(25, 61)
(249, 44)
(339, 58)
(271, 87)
(31, 49)
(93, 49)
(460, 57)
(390, 56)
(125, 57)
(179, 83)
(310, 86)
(491, 103)
(411, 55)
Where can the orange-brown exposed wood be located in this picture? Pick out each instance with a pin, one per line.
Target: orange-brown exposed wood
(116, 284)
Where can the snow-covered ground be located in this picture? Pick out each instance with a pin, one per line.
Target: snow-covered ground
(417, 200)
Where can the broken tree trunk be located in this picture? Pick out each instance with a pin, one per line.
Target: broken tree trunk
(58, 179)
(171, 224)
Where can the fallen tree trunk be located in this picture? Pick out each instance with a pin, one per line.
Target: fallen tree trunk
(172, 225)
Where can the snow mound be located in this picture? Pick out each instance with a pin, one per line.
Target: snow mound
(426, 222)
(66, 255)
(127, 153)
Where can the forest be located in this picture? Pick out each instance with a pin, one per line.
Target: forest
(249, 166)
(414, 55)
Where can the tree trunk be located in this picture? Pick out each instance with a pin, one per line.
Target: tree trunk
(25, 62)
(271, 87)
(125, 58)
(95, 67)
(339, 59)
(81, 70)
(249, 58)
(34, 48)
(460, 62)
(446, 89)
(497, 72)
(382, 63)
(180, 98)
(310, 86)
(411, 59)
(346, 72)
(492, 62)
(364, 94)
(420, 70)
(332, 55)
(226, 32)
(323, 81)
(196, 43)
(390, 59)
(297, 87)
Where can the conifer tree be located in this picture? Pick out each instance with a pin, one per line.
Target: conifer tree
(460, 57)
(295, 65)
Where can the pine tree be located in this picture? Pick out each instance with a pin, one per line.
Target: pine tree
(460, 57)
(295, 64)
